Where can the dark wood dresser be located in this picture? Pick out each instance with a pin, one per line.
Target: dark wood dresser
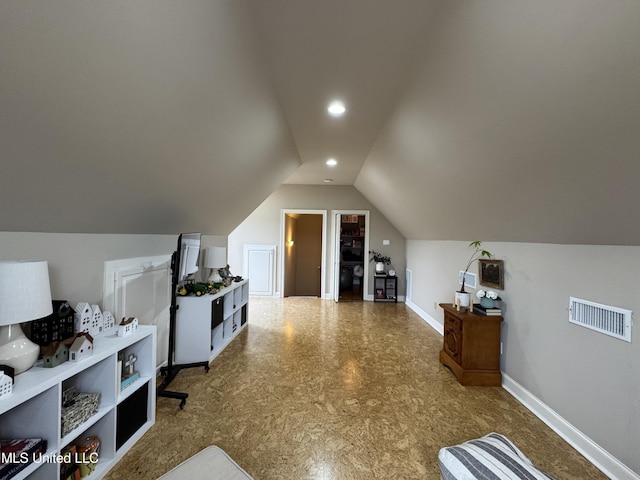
(471, 347)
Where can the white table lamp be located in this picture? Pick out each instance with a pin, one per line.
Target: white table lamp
(216, 258)
(25, 295)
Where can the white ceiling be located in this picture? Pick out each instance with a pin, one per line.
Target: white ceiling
(359, 51)
(159, 117)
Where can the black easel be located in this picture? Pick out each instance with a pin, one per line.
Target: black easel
(170, 371)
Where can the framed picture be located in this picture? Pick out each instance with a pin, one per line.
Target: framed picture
(491, 273)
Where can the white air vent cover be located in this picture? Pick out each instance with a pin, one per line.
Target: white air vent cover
(469, 279)
(612, 321)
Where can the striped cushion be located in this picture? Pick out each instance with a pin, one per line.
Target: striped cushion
(492, 457)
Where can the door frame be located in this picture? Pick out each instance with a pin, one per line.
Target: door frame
(323, 276)
(335, 252)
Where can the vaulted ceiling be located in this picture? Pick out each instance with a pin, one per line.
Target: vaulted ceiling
(501, 120)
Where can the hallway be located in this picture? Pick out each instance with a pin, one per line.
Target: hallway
(319, 390)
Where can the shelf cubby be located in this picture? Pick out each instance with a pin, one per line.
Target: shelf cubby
(33, 409)
(205, 325)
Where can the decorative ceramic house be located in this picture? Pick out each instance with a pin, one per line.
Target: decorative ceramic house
(108, 322)
(54, 354)
(81, 348)
(97, 322)
(83, 317)
(6, 384)
(127, 326)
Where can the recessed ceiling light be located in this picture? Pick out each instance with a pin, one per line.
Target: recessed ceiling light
(328, 180)
(336, 108)
(332, 162)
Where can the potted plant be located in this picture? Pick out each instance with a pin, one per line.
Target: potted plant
(380, 260)
(462, 297)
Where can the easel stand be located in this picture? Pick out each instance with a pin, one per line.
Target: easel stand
(170, 371)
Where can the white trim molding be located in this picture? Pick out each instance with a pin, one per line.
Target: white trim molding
(432, 322)
(603, 460)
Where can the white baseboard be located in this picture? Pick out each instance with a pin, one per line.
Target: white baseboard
(603, 460)
(433, 323)
(598, 456)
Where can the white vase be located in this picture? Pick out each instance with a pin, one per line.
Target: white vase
(463, 299)
(380, 267)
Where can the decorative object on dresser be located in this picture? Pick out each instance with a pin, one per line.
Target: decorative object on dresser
(25, 295)
(487, 299)
(462, 297)
(479, 309)
(491, 273)
(471, 346)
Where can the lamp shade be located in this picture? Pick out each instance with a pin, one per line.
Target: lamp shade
(216, 257)
(25, 292)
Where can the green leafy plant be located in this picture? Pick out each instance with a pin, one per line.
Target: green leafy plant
(478, 253)
(378, 257)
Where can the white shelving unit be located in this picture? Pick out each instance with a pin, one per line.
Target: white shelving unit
(33, 409)
(205, 325)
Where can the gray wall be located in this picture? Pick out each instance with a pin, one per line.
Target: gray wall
(263, 225)
(76, 261)
(77, 264)
(588, 378)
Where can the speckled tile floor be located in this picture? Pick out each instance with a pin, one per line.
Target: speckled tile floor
(318, 390)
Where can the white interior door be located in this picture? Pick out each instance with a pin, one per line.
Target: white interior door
(336, 251)
(336, 257)
(259, 268)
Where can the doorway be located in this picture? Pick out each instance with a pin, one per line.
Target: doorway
(351, 257)
(303, 258)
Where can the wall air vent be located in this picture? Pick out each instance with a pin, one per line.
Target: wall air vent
(470, 279)
(612, 321)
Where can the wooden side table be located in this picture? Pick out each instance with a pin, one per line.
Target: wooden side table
(471, 346)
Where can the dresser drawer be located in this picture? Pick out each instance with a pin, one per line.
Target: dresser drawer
(452, 323)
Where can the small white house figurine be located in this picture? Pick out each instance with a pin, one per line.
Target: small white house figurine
(6, 384)
(81, 348)
(83, 317)
(127, 326)
(97, 322)
(108, 322)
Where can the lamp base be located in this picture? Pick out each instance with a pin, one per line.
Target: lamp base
(16, 350)
(214, 277)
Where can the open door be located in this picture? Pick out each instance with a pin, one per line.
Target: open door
(302, 271)
(350, 255)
